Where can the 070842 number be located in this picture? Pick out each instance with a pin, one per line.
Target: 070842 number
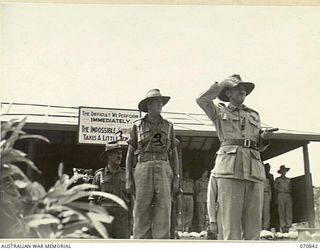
(308, 245)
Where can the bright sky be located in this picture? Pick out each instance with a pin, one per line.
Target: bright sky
(111, 55)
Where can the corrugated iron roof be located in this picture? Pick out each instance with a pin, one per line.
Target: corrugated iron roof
(185, 124)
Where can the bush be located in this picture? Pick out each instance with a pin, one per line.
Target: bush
(27, 210)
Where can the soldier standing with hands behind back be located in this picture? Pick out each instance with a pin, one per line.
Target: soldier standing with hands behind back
(238, 170)
(151, 140)
(201, 190)
(187, 202)
(282, 186)
(267, 188)
(111, 179)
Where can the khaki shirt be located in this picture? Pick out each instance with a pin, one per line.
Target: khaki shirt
(201, 190)
(282, 185)
(266, 185)
(188, 186)
(234, 161)
(152, 137)
(113, 183)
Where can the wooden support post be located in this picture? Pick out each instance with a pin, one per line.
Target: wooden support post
(308, 186)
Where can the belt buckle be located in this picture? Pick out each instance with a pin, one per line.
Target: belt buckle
(247, 143)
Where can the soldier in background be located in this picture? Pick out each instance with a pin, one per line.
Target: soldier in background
(112, 179)
(187, 202)
(201, 190)
(282, 187)
(267, 188)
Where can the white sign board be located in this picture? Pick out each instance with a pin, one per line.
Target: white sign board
(102, 125)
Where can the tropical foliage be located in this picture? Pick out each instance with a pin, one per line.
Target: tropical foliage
(28, 210)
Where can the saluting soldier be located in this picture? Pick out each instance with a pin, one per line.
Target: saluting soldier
(282, 186)
(112, 179)
(238, 168)
(154, 179)
(187, 202)
(201, 190)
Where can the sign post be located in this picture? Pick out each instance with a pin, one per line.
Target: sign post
(102, 125)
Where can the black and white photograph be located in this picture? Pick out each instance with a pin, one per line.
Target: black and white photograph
(170, 122)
